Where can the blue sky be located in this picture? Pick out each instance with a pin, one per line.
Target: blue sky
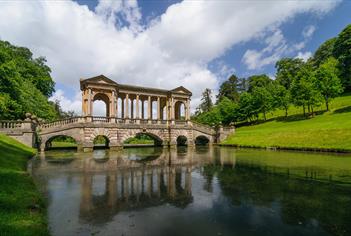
(168, 43)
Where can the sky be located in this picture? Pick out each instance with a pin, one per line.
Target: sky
(167, 43)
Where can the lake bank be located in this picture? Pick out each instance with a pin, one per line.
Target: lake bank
(22, 208)
(329, 132)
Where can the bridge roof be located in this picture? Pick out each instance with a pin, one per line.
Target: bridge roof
(101, 79)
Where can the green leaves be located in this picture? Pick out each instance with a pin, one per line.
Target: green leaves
(25, 84)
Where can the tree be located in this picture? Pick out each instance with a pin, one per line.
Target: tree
(256, 81)
(212, 117)
(228, 110)
(281, 97)
(287, 69)
(323, 52)
(25, 84)
(262, 100)
(327, 79)
(229, 89)
(247, 109)
(342, 52)
(206, 102)
(303, 89)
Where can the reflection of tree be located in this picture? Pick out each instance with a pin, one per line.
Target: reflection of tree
(300, 200)
(209, 172)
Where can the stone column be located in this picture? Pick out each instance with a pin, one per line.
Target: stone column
(132, 108)
(158, 108)
(127, 106)
(89, 103)
(172, 109)
(149, 108)
(113, 112)
(142, 109)
(187, 109)
(122, 108)
(116, 105)
(137, 107)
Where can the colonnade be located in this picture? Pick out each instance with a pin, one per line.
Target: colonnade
(135, 102)
(135, 185)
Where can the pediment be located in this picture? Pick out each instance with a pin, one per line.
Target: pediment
(181, 89)
(100, 79)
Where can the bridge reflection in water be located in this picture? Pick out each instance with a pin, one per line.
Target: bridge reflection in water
(113, 182)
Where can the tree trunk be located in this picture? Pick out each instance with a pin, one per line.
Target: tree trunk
(264, 116)
(304, 110)
(327, 103)
(286, 112)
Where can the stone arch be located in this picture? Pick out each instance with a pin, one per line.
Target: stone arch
(48, 142)
(181, 132)
(99, 145)
(155, 134)
(101, 132)
(182, 140)
(179, 110)
(202, 140)
(73, 133)
(102, 97)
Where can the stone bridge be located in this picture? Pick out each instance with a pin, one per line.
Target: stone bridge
(130, 110)
(85, 129)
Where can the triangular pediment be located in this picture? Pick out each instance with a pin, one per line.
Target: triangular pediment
(100, 79)
(181, 89)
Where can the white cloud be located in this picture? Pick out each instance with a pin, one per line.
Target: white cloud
(68, 104)
(308, 31)
(174, 49)
(304, 55)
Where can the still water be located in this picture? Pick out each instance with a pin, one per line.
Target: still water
(195, 191)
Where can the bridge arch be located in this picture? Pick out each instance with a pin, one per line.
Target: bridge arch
(66, 141)
(156, 136)
(202, 140)
(101, 141)
(182, 140)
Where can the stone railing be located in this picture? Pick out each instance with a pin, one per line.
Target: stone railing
(100, 119)
(9, 124)
(59, 123)
(203, 128)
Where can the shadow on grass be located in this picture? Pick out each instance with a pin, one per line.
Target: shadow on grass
(343, 110)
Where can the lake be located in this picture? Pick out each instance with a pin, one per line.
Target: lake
(195, 191)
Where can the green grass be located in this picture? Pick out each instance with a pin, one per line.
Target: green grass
(58, 144)
(22, 210)
(327, 131)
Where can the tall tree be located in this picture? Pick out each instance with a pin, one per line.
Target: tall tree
(25, 84)
(258, 81)
(229, 89)
(323, 52)
(281, 97)
(206, 102)
(342, 52)
(262, 100)
(303, 89)
(287, 69)
(327, 79)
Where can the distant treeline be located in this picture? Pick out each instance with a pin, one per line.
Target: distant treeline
(323, 77)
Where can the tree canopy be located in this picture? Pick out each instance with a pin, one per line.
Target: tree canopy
(25, 84)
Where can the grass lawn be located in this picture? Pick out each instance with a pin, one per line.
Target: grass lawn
(330, 130)
(56, 144)
(22, 210)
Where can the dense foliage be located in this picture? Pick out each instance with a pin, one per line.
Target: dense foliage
(25, 84)
(298, 83)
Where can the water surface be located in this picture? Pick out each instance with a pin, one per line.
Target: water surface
(195, 191)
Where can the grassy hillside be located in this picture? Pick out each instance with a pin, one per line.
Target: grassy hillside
(327, 130)
(22, 210)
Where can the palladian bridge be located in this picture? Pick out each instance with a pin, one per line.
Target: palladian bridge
(164, 115)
